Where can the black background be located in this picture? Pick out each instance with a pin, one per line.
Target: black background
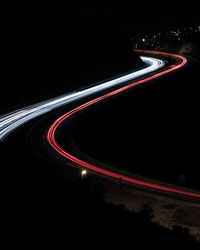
(44, 47)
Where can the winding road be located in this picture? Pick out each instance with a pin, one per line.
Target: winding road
(153, 69)
(114, 175)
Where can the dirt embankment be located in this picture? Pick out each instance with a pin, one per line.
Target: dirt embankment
(188, 46)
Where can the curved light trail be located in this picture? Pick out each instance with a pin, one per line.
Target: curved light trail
(76, 162)
(13, 120)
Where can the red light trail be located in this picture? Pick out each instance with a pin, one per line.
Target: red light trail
(180, 62)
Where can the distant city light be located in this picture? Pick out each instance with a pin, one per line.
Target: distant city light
(156, 39)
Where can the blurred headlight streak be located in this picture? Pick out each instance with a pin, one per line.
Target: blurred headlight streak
(11, 121)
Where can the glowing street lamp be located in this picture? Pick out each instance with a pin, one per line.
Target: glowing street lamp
(83, 172)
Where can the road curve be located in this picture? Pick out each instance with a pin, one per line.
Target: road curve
(11, 121)
(76, 162)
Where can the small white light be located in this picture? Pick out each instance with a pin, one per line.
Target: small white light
(83, 172)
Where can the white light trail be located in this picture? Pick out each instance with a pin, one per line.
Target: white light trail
(11, 121)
